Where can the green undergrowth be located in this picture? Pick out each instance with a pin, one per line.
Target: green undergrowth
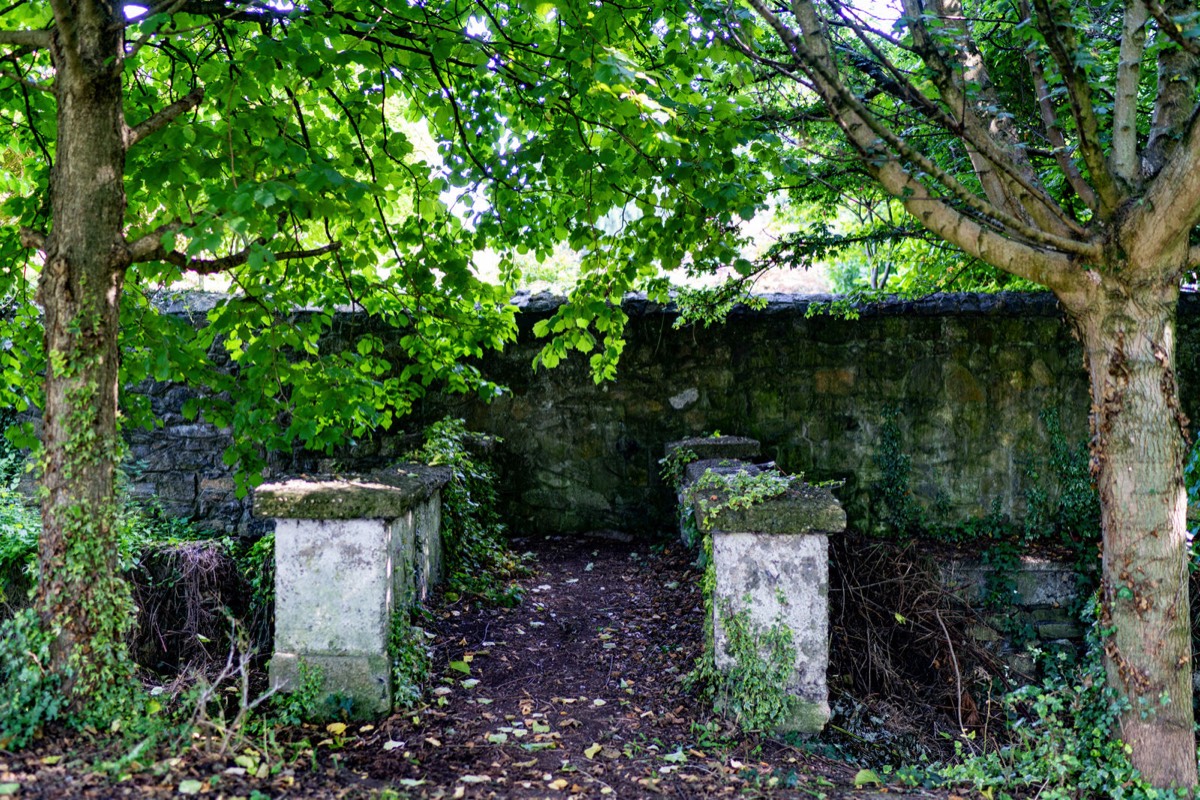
(411, 662)
(158, 560)
(479, 566)
(214, 702)
(173, 579)
(1060, 740)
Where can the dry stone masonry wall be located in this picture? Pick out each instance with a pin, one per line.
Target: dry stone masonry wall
(965, 375)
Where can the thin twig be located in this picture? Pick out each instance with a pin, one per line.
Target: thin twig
(957, 674)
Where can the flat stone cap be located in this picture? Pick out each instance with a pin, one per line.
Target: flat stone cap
(802, 508)
(386, 494)
(718, 446)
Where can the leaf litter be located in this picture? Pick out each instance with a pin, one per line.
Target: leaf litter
(589, 702)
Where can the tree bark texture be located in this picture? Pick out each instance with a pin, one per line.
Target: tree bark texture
(1138, 451)
(81, 598)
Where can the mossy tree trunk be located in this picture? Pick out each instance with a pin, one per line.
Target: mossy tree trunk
(81, 599)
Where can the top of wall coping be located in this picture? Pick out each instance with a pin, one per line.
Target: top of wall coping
(385, 494)
(1040, 304)
(940, 304)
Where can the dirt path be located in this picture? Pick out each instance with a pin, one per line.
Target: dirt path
(577, 693)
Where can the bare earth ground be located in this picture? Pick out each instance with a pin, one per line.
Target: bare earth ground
(575, 694)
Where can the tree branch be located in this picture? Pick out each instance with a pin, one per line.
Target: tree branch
(132, 51)
(873, 139)
(1129, 68)
(152, 250)
(994, 144)
(64, 21)
(146, 247)
(1175, 100)
(1035, 259)
(34, 240)
(163, 118)
(1054, 132)
(21, 79)
(1060, 38)
(1170, 207)
(1171, 28)
(38, 40)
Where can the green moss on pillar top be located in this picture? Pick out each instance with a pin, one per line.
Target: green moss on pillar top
(386, 494)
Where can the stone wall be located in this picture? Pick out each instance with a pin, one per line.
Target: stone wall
(967, 376)
(1035, 603)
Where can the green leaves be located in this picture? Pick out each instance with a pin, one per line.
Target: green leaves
(866, 777)
(413, 141)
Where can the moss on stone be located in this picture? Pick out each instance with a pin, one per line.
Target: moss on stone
(804, 717)
(803, 508)
(706, 447)
(386, 494)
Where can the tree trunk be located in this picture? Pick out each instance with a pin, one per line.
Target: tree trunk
(81, 598)
(1137, 458)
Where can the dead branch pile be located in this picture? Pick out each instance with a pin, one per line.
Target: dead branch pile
(190, 597)
(902, 664)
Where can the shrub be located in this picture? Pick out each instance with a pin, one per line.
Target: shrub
(1062, 741)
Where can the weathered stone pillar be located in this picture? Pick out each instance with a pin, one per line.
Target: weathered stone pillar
(770, 577)
(350, 553)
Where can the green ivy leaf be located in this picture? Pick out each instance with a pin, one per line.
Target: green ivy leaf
(866, 777)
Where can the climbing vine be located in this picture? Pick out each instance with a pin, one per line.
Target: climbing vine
(715, 492)
(901, 514)
(752, 689)
(478, 562)
(1063, 738)
(673, 468)
(83, 603)
(410, 661)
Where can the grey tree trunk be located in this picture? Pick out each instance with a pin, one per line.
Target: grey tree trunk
(1138, 450)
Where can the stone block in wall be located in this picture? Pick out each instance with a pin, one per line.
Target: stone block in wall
(1038, 609)
(1037, 582)
(350, 553)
